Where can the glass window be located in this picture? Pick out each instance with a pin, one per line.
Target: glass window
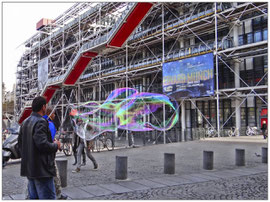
(251, 116)
(243, 117)
(257, 36)
(265, 33)
(249, 38)
(241, 40)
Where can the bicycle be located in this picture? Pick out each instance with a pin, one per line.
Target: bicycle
(210, 132)
(233, 132)
(102, 142)
(66, 141)
(251, 131)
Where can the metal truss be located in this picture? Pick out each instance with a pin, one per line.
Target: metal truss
(160, 38)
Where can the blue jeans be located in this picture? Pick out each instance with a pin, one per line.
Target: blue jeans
(42, 188)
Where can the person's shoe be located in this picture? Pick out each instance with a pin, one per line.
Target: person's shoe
(96, 166)
(74, 163)
(62, 197)
(76, 170)
(84, 163)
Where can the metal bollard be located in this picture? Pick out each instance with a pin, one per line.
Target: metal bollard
(240, 157)
(264, 155)
(208, 160)
(62, 168)
(121, 168)
(169, 163)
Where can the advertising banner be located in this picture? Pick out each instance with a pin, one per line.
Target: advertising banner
(42, 73)
(191, 77)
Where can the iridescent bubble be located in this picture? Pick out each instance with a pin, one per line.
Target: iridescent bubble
(126, 109)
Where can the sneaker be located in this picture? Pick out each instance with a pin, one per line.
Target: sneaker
(83, 164)
(62, 197)
(76, 170)
(96, 166)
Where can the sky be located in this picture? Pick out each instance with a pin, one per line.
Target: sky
(19, 24)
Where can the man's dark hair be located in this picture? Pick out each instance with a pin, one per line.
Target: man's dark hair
(38, 103)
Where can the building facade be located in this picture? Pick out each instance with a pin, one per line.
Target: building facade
(94, 48)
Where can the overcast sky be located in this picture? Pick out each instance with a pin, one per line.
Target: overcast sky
(19, 24)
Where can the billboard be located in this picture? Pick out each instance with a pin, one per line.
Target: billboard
(42, 73)
(191, 77)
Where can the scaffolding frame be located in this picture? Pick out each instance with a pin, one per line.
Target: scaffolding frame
(61, 54)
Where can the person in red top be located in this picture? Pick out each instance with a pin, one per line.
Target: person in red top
(264, 128)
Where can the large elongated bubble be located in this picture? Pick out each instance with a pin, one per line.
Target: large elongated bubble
(126, 109)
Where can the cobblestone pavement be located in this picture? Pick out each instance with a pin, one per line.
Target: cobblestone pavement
(146, 162)
(253, 187)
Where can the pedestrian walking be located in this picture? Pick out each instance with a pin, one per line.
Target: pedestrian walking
(130, 139)
(76, 143)
(84, 145)
(37, 151)
(264, 128)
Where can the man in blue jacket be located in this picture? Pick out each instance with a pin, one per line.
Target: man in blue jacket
(38, 152)
(50, 115)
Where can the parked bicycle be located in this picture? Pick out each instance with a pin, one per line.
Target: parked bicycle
(66, 140)
(252, 131)
(210, 132)
(233, 132)
(103, 141)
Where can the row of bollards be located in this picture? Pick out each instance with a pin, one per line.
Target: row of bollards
(169, 162)
(208, 158)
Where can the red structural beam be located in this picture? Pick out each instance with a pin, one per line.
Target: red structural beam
(119, 38)
(79, 68)
(131, 23)
(49, 92)
(71, 80)
(25, 114)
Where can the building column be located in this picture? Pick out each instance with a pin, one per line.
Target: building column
(181, 41)
(94, 93)
(144, 53)
(237, 74)
(192, 41)
(237, 81)
(183, 120)
(144, 84)
(94, 99)
(238, 114)
(235, 34)
(115, 118)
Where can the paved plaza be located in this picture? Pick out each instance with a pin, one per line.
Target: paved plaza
(147, 181)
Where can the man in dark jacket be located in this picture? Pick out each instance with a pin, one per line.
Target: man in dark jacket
(38, 152)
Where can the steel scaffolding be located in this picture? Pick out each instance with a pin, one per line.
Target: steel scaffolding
(166, 32)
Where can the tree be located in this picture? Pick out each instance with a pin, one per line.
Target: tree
(7, 106)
